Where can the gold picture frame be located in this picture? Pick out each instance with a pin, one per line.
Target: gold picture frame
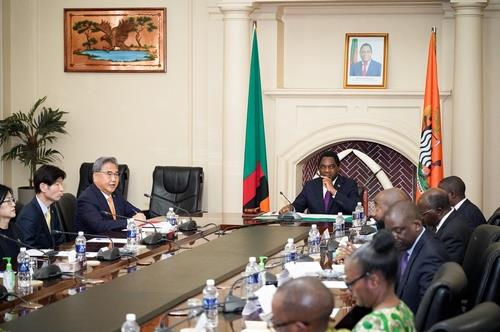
(115, 40)
(365, 64)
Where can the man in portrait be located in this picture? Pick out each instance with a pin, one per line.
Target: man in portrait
(367, 66)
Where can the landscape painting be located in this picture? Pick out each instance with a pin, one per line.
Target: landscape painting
(115, 40)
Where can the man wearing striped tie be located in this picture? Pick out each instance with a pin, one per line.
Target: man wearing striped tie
(40, 217)
(100, 208)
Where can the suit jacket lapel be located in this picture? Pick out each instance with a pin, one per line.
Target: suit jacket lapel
(45, 227)
(413, 257)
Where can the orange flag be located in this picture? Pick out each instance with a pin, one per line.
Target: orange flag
(430, 161)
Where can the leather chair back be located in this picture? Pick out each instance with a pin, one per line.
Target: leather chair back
(66, 207)
(86, 178)
(443, 298)
(483, 317)
(481, 238)
(495, 218)
(487, 285)
(175, 186)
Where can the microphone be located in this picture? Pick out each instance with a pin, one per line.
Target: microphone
(45, 272)
(152, 239)
(189, 226)
(289, 215)
(103, 255)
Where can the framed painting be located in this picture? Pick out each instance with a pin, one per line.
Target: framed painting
(366, 60)
(115, 40)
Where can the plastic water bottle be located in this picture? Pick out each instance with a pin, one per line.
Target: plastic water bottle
(23, 270)
(210, 304)
(130, 325)
(360, 211)
(252, 281)
(290, 251)
(81, 249)
(314, 239)
(339, 225)
(131, 235)
(171, 217)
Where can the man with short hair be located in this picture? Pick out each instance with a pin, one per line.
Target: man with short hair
(367, 66)
(384, 200)
(40, 217)
(302, 304)
(421, 252)
(449, 226)
(99, 208)
(455, 188)
(329, 193)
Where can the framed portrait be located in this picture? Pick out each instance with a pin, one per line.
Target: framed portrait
(115, 40)
(365, 63)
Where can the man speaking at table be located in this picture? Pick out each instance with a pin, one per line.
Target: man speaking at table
(98, 208)
(329, 193)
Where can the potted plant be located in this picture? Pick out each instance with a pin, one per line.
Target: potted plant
(30, 136)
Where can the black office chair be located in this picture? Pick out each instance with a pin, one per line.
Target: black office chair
(66, 207)
(481, 238)
(495, 218)
(86, 178)
(177, 187)
(486, 286)
(443, 298)
(483, 317)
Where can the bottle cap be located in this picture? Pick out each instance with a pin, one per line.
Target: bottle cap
(314, 226)
(80, 233)
(210, 282)
(22, 249)
(339, 214)
(130, 317)
(290, 240)
(171, 209)
(252, 259)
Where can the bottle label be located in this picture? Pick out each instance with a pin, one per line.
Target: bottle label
(131, 233)
(80, 248)
(24, 267)
(291, 257)
(253, 279)
(209, 303)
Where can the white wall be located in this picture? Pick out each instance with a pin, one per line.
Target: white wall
(175, 118)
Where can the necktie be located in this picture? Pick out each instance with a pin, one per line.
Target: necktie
(363, 70)
(47, 217)
(112, 207)
(326, 200)
(403, 264)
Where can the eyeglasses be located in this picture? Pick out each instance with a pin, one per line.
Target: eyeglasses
(349, 284)
(110, 174)
(11, 200)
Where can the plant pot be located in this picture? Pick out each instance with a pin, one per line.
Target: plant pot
(25, 194)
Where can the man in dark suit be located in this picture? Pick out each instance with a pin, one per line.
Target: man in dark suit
(450, 227)
(40, 217)
(99, 207)
(330, 193)
(455, 188)
(421, 252)
(384, 200)
(367, 66)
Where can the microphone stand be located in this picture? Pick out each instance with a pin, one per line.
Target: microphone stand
(45, 272)
(190, 225)
(153, 239)
(103, 255)
(289, 215)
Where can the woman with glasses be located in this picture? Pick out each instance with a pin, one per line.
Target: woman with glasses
(7, 212)
(371, 273)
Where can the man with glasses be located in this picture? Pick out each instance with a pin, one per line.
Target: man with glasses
(329, 193)
(99, 207)
(449, 225)
(40, 217)
(302, 304)
(421, 252)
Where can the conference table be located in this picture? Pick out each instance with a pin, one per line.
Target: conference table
(152, 290)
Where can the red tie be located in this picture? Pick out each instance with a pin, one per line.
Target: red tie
(363, 70)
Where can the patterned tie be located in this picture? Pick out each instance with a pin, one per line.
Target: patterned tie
(48, 217)
(403, 264)
(326, 200)
(112, 207)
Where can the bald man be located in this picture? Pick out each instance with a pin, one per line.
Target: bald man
(384, 200)
(449, 225)
(302, 304)
(421, 252)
